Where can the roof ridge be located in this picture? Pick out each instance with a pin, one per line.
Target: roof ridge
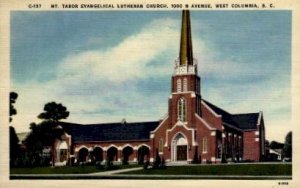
(216, 106)
(69, 123)
(121, 123)
(245, 113)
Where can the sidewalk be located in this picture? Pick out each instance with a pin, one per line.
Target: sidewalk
(116, 171)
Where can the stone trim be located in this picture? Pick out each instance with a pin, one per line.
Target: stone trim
(259, 118)
(205, 123)
(179, 123)
(159, 125)
(209, 109)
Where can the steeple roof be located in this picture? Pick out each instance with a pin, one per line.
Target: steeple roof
(186, 50)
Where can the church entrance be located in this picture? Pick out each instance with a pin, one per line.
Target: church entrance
(62, 152)
(181, 153)
(143, 152)
(179, 148)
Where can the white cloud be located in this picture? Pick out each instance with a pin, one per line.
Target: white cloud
(103, 80)
(128, 60)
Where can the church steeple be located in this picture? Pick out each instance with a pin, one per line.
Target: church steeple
(185, 100)
(186, 49)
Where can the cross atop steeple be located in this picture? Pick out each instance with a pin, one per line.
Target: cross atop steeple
(186, 49)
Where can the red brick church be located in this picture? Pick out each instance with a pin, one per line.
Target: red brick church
(193, 130)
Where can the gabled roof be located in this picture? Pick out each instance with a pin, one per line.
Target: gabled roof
(110, 131)
(247, 121)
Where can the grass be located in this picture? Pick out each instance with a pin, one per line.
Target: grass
(64, 169)
(236, 169)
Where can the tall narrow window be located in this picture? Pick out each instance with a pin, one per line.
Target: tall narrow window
(197, 105)
(181, 110)
(197, 86)
(179, 85)
(161, 145)
(204, 147)
(184, 84)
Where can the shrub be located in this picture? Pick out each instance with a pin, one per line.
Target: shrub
(98, 165)
(108, 165)
(156, 162)
(146, 165)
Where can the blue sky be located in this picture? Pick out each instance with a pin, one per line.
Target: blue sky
(109, 65)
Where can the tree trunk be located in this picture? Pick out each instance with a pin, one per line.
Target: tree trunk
(53, 161)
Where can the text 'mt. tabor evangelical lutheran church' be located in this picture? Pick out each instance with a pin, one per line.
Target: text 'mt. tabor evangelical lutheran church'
(194, 128)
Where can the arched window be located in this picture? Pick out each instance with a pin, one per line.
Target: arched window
(204, 147)
(179, 85)
(161, 145)
(184, 84)
(181, 110)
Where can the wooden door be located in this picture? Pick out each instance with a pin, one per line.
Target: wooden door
(181, 153)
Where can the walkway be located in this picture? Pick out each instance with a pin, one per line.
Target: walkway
(110, 172)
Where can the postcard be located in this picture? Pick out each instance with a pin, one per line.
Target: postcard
(149, 93)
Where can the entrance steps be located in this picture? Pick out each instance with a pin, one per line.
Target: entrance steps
(177, 163)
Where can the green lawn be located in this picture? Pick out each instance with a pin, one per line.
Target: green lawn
(235, 169)
(64, 169)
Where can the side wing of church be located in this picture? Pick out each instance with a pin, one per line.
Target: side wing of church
(195, 130)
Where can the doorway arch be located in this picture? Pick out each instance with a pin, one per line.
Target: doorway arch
(179, 148)
(98, 154)
(143, 153)
(127, 151)
(112, 154)
(62, 151)
(83, 155)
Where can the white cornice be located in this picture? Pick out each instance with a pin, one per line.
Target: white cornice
(259, 118)
(204, 122)
(179, 123)
(159, 125)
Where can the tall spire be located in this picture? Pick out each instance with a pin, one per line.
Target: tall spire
(186, 49)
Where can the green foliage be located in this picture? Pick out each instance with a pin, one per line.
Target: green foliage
(236, 169)
(14, 147)
(157, 161)
(54, 112)
(42, 134)
(109, 165)
(195, 158)
(276, 145)
(12, 100)
(45, 133)
(287, 148)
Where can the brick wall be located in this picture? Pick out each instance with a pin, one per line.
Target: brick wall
(251, 146)
(210, 117)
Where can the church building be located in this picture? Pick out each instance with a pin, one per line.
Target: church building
(194, 130)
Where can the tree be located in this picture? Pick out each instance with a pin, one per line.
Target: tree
(12, 99)
(13, 146)
(53, 112)
(287, 148)
(41, 135)
(276, 145)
